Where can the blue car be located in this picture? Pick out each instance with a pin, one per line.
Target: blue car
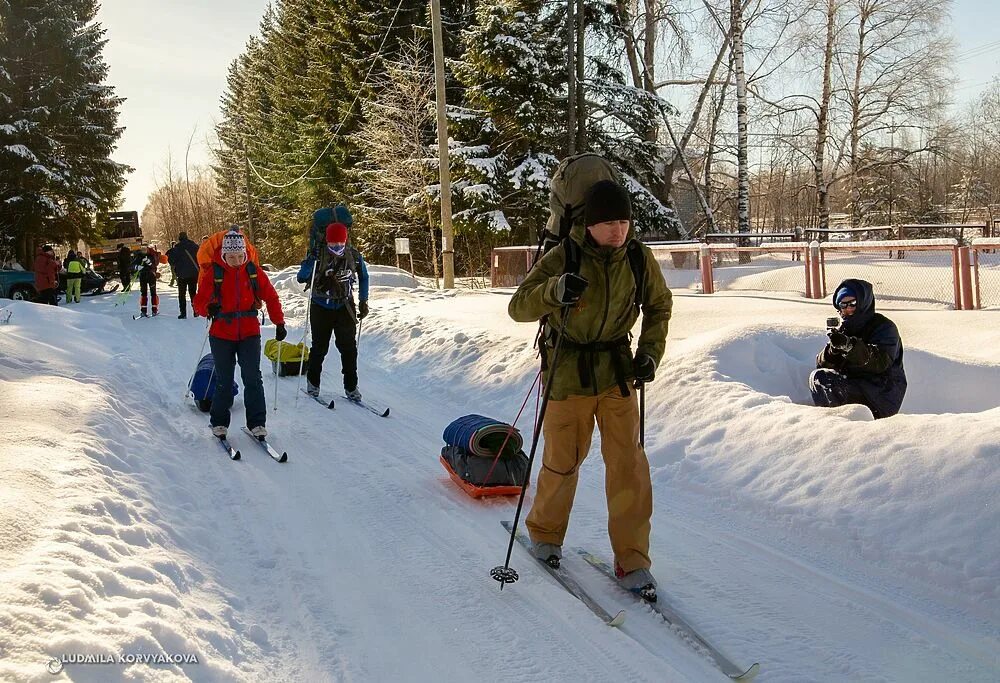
(17, 284)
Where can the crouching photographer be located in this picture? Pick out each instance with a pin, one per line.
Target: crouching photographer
(863, 361)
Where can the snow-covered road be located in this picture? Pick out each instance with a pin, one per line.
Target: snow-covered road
(825, 545)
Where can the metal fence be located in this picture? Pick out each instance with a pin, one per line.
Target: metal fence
(767, 268)
(986, 272)
(926, 274)
(917, 273)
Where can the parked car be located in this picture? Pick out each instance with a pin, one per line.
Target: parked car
(17, 284)
(92, 282)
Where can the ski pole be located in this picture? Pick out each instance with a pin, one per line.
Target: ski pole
(641, 388)
(208, 326)
(277, 375)
(305, 332)
(505, 574)
(128, 290)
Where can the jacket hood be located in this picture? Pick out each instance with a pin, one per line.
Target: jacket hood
(865, 294)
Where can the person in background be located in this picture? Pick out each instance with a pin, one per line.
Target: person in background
(183, 259)
(125, 267)
(46, 269)
(74, 276)
(170, 264)
(863, 361)
(146, 266)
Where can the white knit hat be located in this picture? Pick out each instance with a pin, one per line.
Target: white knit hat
(233, 243)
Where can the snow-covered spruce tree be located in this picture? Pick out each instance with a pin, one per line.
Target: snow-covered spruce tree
(509, 129)
(58, 122)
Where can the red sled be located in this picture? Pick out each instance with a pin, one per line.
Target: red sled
(480, 491)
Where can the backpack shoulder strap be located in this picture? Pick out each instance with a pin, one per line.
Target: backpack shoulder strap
(637, 262)
(218, 275)
(573, 254)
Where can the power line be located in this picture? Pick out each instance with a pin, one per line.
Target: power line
(340, 125)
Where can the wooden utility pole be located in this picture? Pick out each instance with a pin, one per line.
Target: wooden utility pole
(571, 76)
(447, 237)
(581, 102)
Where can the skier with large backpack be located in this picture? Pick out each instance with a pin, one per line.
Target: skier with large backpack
(231, 293)
(334, 268)
(591, 285)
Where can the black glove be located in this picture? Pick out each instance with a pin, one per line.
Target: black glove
(570, 287)
(840, 342)
(644, 368)
(280, 332)
(362, 309)
(214, 310)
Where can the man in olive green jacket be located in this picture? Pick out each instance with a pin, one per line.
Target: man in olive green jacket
(594, 376)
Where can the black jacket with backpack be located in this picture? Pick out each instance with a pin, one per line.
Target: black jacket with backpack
(183, 258)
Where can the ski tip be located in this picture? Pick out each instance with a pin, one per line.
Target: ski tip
(284, 457)
(330, 407)
(235, 455)
(618, 619)
(749, 674)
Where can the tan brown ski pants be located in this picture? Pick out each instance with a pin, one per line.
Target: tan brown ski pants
(568, 428)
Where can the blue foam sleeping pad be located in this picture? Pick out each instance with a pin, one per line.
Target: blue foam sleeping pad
(482, 436)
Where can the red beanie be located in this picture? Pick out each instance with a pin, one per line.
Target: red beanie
(336, 233)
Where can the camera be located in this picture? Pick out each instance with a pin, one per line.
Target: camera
(832, 323)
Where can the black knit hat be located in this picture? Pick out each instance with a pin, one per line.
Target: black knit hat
(606, 201)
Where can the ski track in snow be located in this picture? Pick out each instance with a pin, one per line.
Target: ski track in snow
(358, 560)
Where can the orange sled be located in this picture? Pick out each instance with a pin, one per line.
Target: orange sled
(480, 491)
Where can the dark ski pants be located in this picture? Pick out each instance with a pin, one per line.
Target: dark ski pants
(126, 277)
(831, 389)
(184, 286)
(226, 353)
(49, 296)
(149, 285)
(340, 323)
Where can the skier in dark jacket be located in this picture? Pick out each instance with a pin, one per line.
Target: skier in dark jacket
(183, 259)
(125, 267)
(332, 311)
(863, 362)
(146, 265)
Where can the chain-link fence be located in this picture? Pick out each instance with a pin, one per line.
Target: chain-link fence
(986, 272)
(925, 275)
(767, 268)
(679, 263)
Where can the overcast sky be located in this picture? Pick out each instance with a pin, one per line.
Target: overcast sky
(169, 59)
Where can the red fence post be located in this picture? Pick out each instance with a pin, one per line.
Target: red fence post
(965, 272)
(807, 269)
(957, 278)
(493, 267)
(975, 268)
(707, 284)
(818, 286)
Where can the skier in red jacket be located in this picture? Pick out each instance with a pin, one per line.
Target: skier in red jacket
(230, 293)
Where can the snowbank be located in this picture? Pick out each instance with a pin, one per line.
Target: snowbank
(92, 516)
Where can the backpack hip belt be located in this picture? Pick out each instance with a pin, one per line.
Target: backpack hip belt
(620, 349)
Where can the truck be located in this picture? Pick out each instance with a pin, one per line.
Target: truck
(118, 227)
(17, 284)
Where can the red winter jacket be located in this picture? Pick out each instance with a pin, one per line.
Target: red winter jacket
(237, 296)
(46, 270)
